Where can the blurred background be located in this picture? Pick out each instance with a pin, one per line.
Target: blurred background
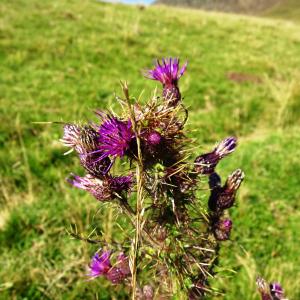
(62, 59)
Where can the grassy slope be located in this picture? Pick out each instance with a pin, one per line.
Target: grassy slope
(61, 59)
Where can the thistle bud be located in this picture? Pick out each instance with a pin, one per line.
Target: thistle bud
(153, 138)
(222, 229)
(148, 292)
(205, 164)
(226, 147)
(223, 197)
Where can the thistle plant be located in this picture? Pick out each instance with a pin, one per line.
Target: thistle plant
(174, 237)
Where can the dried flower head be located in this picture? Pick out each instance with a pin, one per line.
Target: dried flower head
(206, 163)
(71, 136)
(102, 189)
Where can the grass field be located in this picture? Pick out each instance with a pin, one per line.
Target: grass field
(60, 60)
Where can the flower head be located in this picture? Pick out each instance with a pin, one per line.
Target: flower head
(114, 136)
(206, 163)
(71, 135)
(168, 73)
(100, 264)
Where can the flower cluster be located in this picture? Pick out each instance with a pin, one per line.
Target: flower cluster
(179, 239)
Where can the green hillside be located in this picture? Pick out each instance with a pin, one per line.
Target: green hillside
(62, 59)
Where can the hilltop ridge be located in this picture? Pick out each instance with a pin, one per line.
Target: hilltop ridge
(286, 9)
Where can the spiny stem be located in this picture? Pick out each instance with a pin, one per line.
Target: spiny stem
(139, 198)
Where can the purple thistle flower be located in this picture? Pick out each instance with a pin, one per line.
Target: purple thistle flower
(222, 229)
(168, 73)
(205, 164)
(223, 197)
(114, 136)
(276, 291)
(100, 265)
